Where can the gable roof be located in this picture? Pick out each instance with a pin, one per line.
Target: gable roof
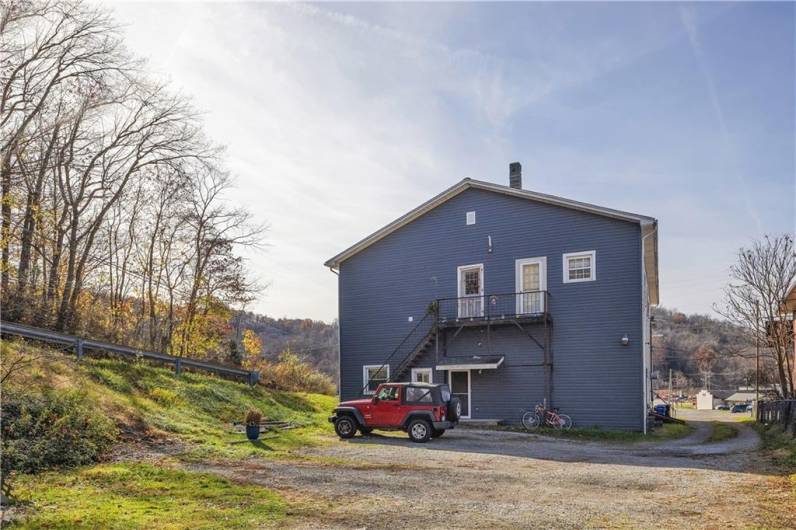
(649, 225)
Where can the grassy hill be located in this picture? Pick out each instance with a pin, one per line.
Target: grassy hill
(189, 418)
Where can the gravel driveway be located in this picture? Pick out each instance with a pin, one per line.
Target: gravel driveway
(488, 479)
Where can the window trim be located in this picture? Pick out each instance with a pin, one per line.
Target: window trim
(461, 296)
(462, 268)
(366, 379)
(467, 218)
(518, 264)
(419, 370)
(592, 254)
(469, 391)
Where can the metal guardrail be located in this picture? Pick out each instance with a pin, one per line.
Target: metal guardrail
(81, 345)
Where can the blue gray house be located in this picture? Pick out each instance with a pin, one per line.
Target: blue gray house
(512, 297)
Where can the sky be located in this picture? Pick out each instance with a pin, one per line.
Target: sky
(338, 118)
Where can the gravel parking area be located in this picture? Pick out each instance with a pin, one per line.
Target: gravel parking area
(488, 479)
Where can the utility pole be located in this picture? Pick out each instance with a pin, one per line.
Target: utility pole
(671, 409)
(757, 357)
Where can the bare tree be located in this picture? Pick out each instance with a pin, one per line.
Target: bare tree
(44, 47)
(113, 211)
(216, 229)
(760, 281)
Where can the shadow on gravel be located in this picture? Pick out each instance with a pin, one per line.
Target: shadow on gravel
(737, 455)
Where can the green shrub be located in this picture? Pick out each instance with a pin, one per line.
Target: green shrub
(51, 430)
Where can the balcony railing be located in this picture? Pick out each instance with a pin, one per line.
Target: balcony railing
(491, 307)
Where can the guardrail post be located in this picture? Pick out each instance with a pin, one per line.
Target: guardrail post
(253, 378)
(178, 367)
(79, 348)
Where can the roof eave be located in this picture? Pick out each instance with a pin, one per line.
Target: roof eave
(410, 216)
(466, 183)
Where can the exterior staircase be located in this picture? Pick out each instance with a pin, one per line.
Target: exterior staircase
(424, 345)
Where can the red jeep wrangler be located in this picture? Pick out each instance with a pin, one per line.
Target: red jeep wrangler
(422, 410)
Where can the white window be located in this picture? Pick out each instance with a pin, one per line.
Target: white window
(580, 267)
(373, 375)
(421, 375)
(471, 218)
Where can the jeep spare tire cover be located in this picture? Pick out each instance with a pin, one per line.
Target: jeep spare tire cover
(454, 409)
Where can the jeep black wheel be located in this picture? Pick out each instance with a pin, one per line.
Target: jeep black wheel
(345, 427)
(454, 409)
(365, 430)
(436, 433)
(419, 431)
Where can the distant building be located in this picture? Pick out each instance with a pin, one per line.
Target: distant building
(704, 400)
(741, 397)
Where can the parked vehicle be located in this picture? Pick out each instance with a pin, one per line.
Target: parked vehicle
(422, 410)
(741, 407)
(549, 418)
(723, 406)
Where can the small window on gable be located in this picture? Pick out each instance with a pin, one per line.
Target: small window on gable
(470, 218)
(580, 267)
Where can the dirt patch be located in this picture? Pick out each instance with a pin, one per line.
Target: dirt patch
(466, 480)
(486, 479)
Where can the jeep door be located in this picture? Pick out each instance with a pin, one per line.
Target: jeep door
(388, 408)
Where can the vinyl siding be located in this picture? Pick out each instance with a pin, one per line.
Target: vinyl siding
(595, 379)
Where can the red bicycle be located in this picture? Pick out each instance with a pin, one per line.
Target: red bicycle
(546, 417)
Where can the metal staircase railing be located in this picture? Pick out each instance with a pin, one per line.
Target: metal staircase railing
(409, 345)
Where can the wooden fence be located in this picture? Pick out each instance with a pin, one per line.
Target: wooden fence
(778, 412)
(82, 345)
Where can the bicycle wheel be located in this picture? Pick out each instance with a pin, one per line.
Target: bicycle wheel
(566, 422)
(530, 420)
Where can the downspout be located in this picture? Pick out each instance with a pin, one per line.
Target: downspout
(646, 371)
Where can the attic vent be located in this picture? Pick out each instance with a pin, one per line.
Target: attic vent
(470, 218)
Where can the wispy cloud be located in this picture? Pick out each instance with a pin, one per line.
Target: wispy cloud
(340, 117)
(688, 16)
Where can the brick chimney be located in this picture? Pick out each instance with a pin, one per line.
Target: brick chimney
(515, 175)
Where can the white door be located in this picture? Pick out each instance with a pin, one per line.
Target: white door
(531, 284)
(471, 291)
(459, 383)
(421, 375)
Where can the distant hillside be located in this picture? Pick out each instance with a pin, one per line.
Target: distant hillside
(315, 341)
(694, 344)
(688, 344)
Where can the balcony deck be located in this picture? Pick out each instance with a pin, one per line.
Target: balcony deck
(494, 309)
(494, 320)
